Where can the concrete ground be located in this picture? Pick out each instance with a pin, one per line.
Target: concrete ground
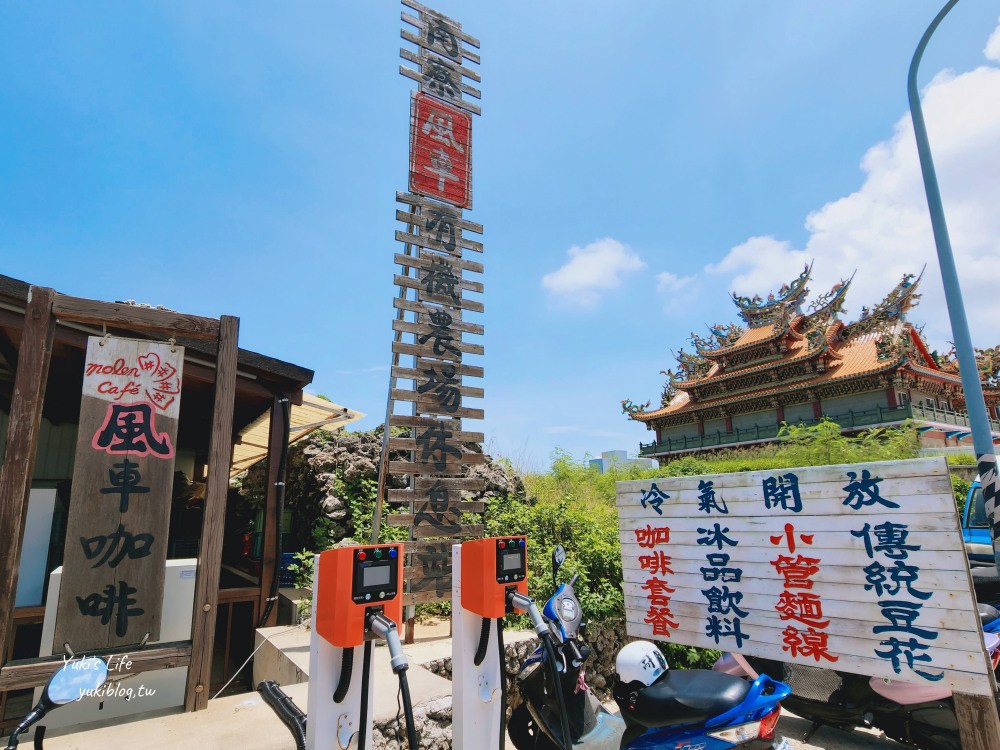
(245, 722)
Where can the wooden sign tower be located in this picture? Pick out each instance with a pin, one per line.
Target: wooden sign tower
(432, 326)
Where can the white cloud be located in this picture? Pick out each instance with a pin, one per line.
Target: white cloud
(992, 50)
(883, 229)
(363, 370)
(592, 270)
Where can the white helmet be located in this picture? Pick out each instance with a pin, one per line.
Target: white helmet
(642, 661)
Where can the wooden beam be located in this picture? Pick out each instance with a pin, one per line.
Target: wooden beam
(206, 588)
(978, 722)
(144, 319)
(29, 673)
(22, 442)
(276, 441)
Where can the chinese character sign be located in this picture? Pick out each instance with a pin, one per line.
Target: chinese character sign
(860, 568)
(113, 565)
(441, 151)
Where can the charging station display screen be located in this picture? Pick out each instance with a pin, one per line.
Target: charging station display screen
(375, 576)
(512, 561)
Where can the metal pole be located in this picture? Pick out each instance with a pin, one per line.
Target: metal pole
(982, 438)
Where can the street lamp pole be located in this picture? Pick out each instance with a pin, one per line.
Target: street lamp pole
(982, 437)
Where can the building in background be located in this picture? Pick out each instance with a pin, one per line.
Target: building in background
(620, 460)
(797, 363)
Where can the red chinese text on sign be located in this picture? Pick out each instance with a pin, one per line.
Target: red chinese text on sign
(441, 151)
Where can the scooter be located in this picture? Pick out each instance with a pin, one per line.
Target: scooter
(660, 709)
(921, 716)
(549, 706)
(77, 679)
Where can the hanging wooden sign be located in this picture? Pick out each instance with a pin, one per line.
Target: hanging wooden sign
(441, 151)
(116, 536)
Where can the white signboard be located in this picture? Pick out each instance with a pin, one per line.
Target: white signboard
(859, 568)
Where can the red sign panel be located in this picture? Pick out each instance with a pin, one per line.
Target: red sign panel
(441, 151)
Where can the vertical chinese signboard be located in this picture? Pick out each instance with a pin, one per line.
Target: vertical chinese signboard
(436, 287)
(856, 568)
(116, 536)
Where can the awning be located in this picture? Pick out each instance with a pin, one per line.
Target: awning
(312, 414)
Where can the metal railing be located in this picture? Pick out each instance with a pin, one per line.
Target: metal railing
(879, 415)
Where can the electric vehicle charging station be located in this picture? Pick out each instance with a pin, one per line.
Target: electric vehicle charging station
(358, 598)
(489, 581)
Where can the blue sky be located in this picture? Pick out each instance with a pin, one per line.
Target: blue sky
(635, 162)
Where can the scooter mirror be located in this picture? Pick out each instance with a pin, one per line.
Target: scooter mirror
(77, 678)
(558, 558)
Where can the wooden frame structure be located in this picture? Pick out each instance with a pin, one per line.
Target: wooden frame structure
(44, 308)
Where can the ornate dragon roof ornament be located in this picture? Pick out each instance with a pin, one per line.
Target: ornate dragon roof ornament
(758, 312)
(889, 311)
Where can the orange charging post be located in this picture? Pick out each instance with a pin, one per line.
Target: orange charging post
(490, 568)
(355, 582)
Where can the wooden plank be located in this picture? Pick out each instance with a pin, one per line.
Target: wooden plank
(434, 369)
(130, 317)
(430, 529)
(457, 300)
(978, 722)
(425, 241)
(453, 465)
(428, 19)
(464, 53)
(409, 497)
(424, 261)
(277, 439)
(413, 200)
(427, 350)
(23, 429)
(425, 57)
(29, 673)
(454, 511)
(411, 444)
(468, 484)
(435, 333)
(440, 228)
(119, 515)
(441, 594)
(405, 420)
(468, 106)
(423, 365)
(428, 405)
(210, 555)
(423, 311)
(433, 14)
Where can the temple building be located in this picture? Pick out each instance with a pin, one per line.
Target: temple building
(793, 362)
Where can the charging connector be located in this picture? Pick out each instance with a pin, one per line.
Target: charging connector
(385, 629)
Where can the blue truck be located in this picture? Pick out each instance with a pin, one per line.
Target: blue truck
(976, 529)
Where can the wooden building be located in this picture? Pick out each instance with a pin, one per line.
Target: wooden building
(794, 361)
(231, 415)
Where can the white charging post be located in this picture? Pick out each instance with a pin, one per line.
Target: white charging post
(486, 573)
(357, 598)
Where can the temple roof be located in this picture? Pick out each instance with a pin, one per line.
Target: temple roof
(858, 357)
(880, 340)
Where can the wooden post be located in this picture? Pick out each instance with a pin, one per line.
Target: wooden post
(206, 589)
(277, 438)
(22, 441)
(978, 721)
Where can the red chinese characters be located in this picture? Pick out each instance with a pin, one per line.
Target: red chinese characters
(441, 151)
(797, 603)
(658, 564)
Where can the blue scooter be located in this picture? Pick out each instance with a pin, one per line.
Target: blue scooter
(661, 709)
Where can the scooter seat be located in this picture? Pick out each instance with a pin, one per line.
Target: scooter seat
(687, 696)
